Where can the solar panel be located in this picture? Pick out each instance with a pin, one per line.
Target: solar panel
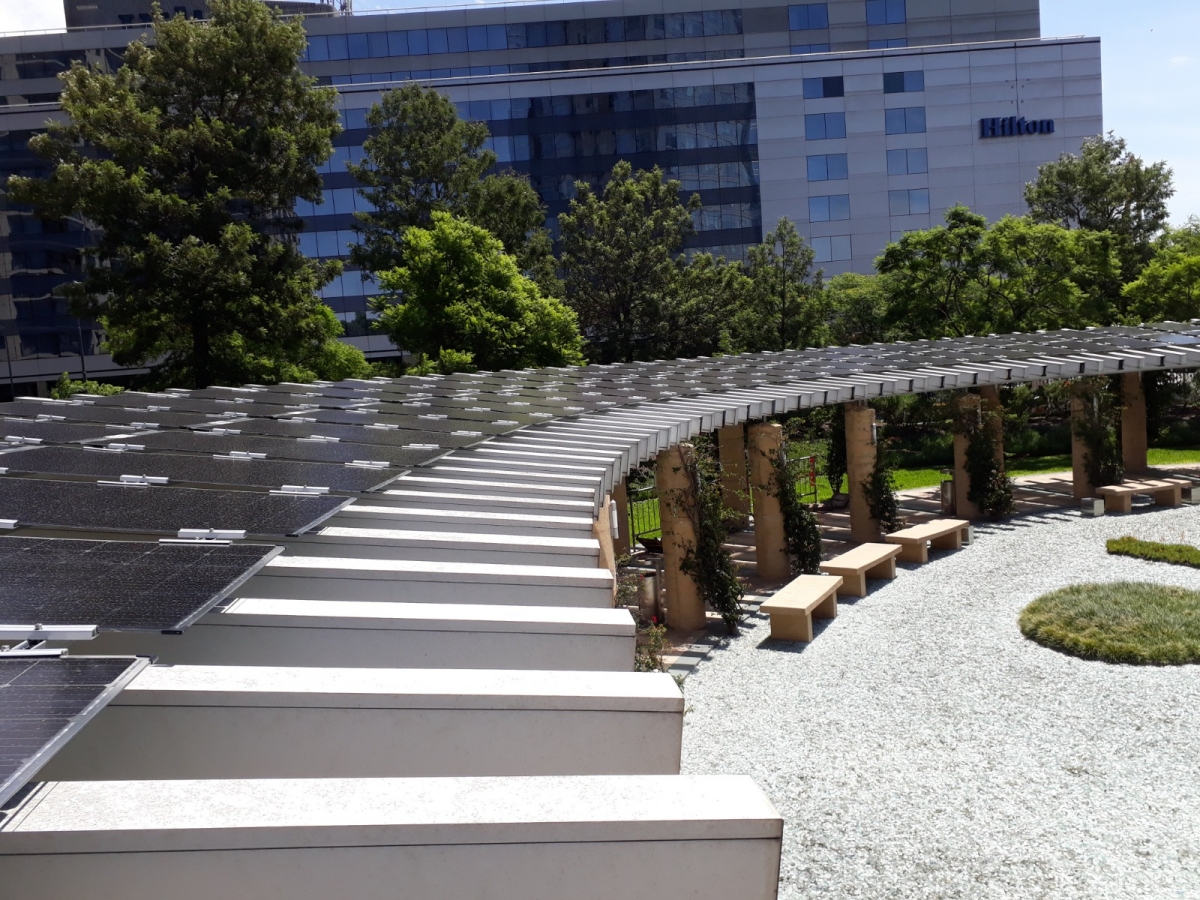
(120, 585)
(163, 510)
(201, 441)
(44, 701)
(57, 432)
(364, 434)
(193, 469)
(116, 415)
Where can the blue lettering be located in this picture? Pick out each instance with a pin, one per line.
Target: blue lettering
(1011, 126)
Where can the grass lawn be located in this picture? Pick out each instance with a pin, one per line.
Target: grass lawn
(1178, 554)
(1123, 622)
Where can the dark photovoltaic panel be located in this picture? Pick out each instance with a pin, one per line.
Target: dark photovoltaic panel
(193, 469)
(59, 432)
(358, 434)
(43, 702)
(115, 415)
(159, 509)
(201, 441)
(120, 585)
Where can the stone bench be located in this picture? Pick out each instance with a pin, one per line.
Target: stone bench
(1118, 498)
(940, 534)
(795, 605)
(419, 581)
(253, 631)
(544, 838)
(178, 722)
(863, 562)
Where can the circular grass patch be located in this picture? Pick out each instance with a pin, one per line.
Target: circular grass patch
(1122, 622)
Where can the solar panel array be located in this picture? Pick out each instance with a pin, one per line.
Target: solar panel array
(44, 701)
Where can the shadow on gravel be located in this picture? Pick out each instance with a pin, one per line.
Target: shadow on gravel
(778, 646)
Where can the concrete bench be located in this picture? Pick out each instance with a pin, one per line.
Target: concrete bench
(253, 631)
(175, 722)
(940, 534)
(542, 838)
(418, 581)
(795, 605)
(1118, 498)
(863, 562)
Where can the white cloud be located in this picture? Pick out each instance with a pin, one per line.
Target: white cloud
(1181, 61)
(31, 15)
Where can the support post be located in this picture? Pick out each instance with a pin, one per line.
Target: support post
(602, 531)
(735, 486)
(685, 609)
(620, 496)
(989, 395)
(770, 543)
(1133, 423)
(964, 405)
(1081, 485)
(860, 463)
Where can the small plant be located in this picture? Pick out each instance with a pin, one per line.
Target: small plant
(880, 490)
(800, 528)
(65, 388)
(836, 465)
(1098, 427)
(706, 560)
(1178, 554)
(988, 487)
(651, 638)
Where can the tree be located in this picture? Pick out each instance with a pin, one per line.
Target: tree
(697, 315)
(1106, 188)
(461, 301)
(421, 159)
(1169, 287)
(785, 307)
(189, 159)
(618, 260)
(857, 308)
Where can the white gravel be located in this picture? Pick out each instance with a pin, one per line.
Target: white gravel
(920, 746)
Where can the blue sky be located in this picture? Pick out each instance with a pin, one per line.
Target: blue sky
(1151, 71)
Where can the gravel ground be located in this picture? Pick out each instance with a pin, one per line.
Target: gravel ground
(922, 747)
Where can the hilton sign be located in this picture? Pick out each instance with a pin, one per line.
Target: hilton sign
(1012, 126)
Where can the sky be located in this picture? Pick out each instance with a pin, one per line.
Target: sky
(1151, 71)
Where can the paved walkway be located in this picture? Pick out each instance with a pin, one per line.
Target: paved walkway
(921, 747)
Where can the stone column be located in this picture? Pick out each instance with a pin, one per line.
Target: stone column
(735, 487)
(685, 609)
(989, 394)
(860, 462)
(620, 496)
(770, 545)
(1081, 484)
(1133, 422)
(965, 405)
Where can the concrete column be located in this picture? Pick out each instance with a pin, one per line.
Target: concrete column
(735, 486)
(1133, 422)
(602, 531)
(685, 609)
(860, 462)
(620, 496)
(770, 545)
(1081, 484)
(965, 405)
(990, 396)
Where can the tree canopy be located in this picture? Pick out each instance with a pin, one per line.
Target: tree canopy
(1169, 287)
(785, 303)
(462, 302)
(189, 159)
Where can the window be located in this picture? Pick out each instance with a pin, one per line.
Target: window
(833, 208)
(824, 126)
(909, 120)
(886, 12)
(828, 167)
(808, 16)
(810, 48)
(831, 249)
(903, 82)
(889, 44)
(815, 88)
(908, 162)
(913, 202)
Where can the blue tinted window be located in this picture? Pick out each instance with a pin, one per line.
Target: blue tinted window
(810, 48)
(397, 43)
(457, 39)
(437, 40)
(418, 42)
(357, 46)
(477, 37)
(377, 44)
(835, 208)
(807, 16)
(815, 88)
(838, 167)
(556, 34)
(827, 167)
(886, 12)
(918, 202)
(918, 161)
(497, 39)
(903, 82)
(318, 48)
(822, 126)
(905, 121)
(338, 48)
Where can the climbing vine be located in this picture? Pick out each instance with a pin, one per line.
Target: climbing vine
(706, 560)
(800, 528)
(880, 490)
(987, 485)
(836, 465)
(1099, 428)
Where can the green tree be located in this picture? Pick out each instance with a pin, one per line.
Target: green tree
(785, 306)
(619, 261)
(461, 301)
(708, 294)
(857, 309)
(189, 159)
(1106, 188)
(1169, 287)
(422, 158)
